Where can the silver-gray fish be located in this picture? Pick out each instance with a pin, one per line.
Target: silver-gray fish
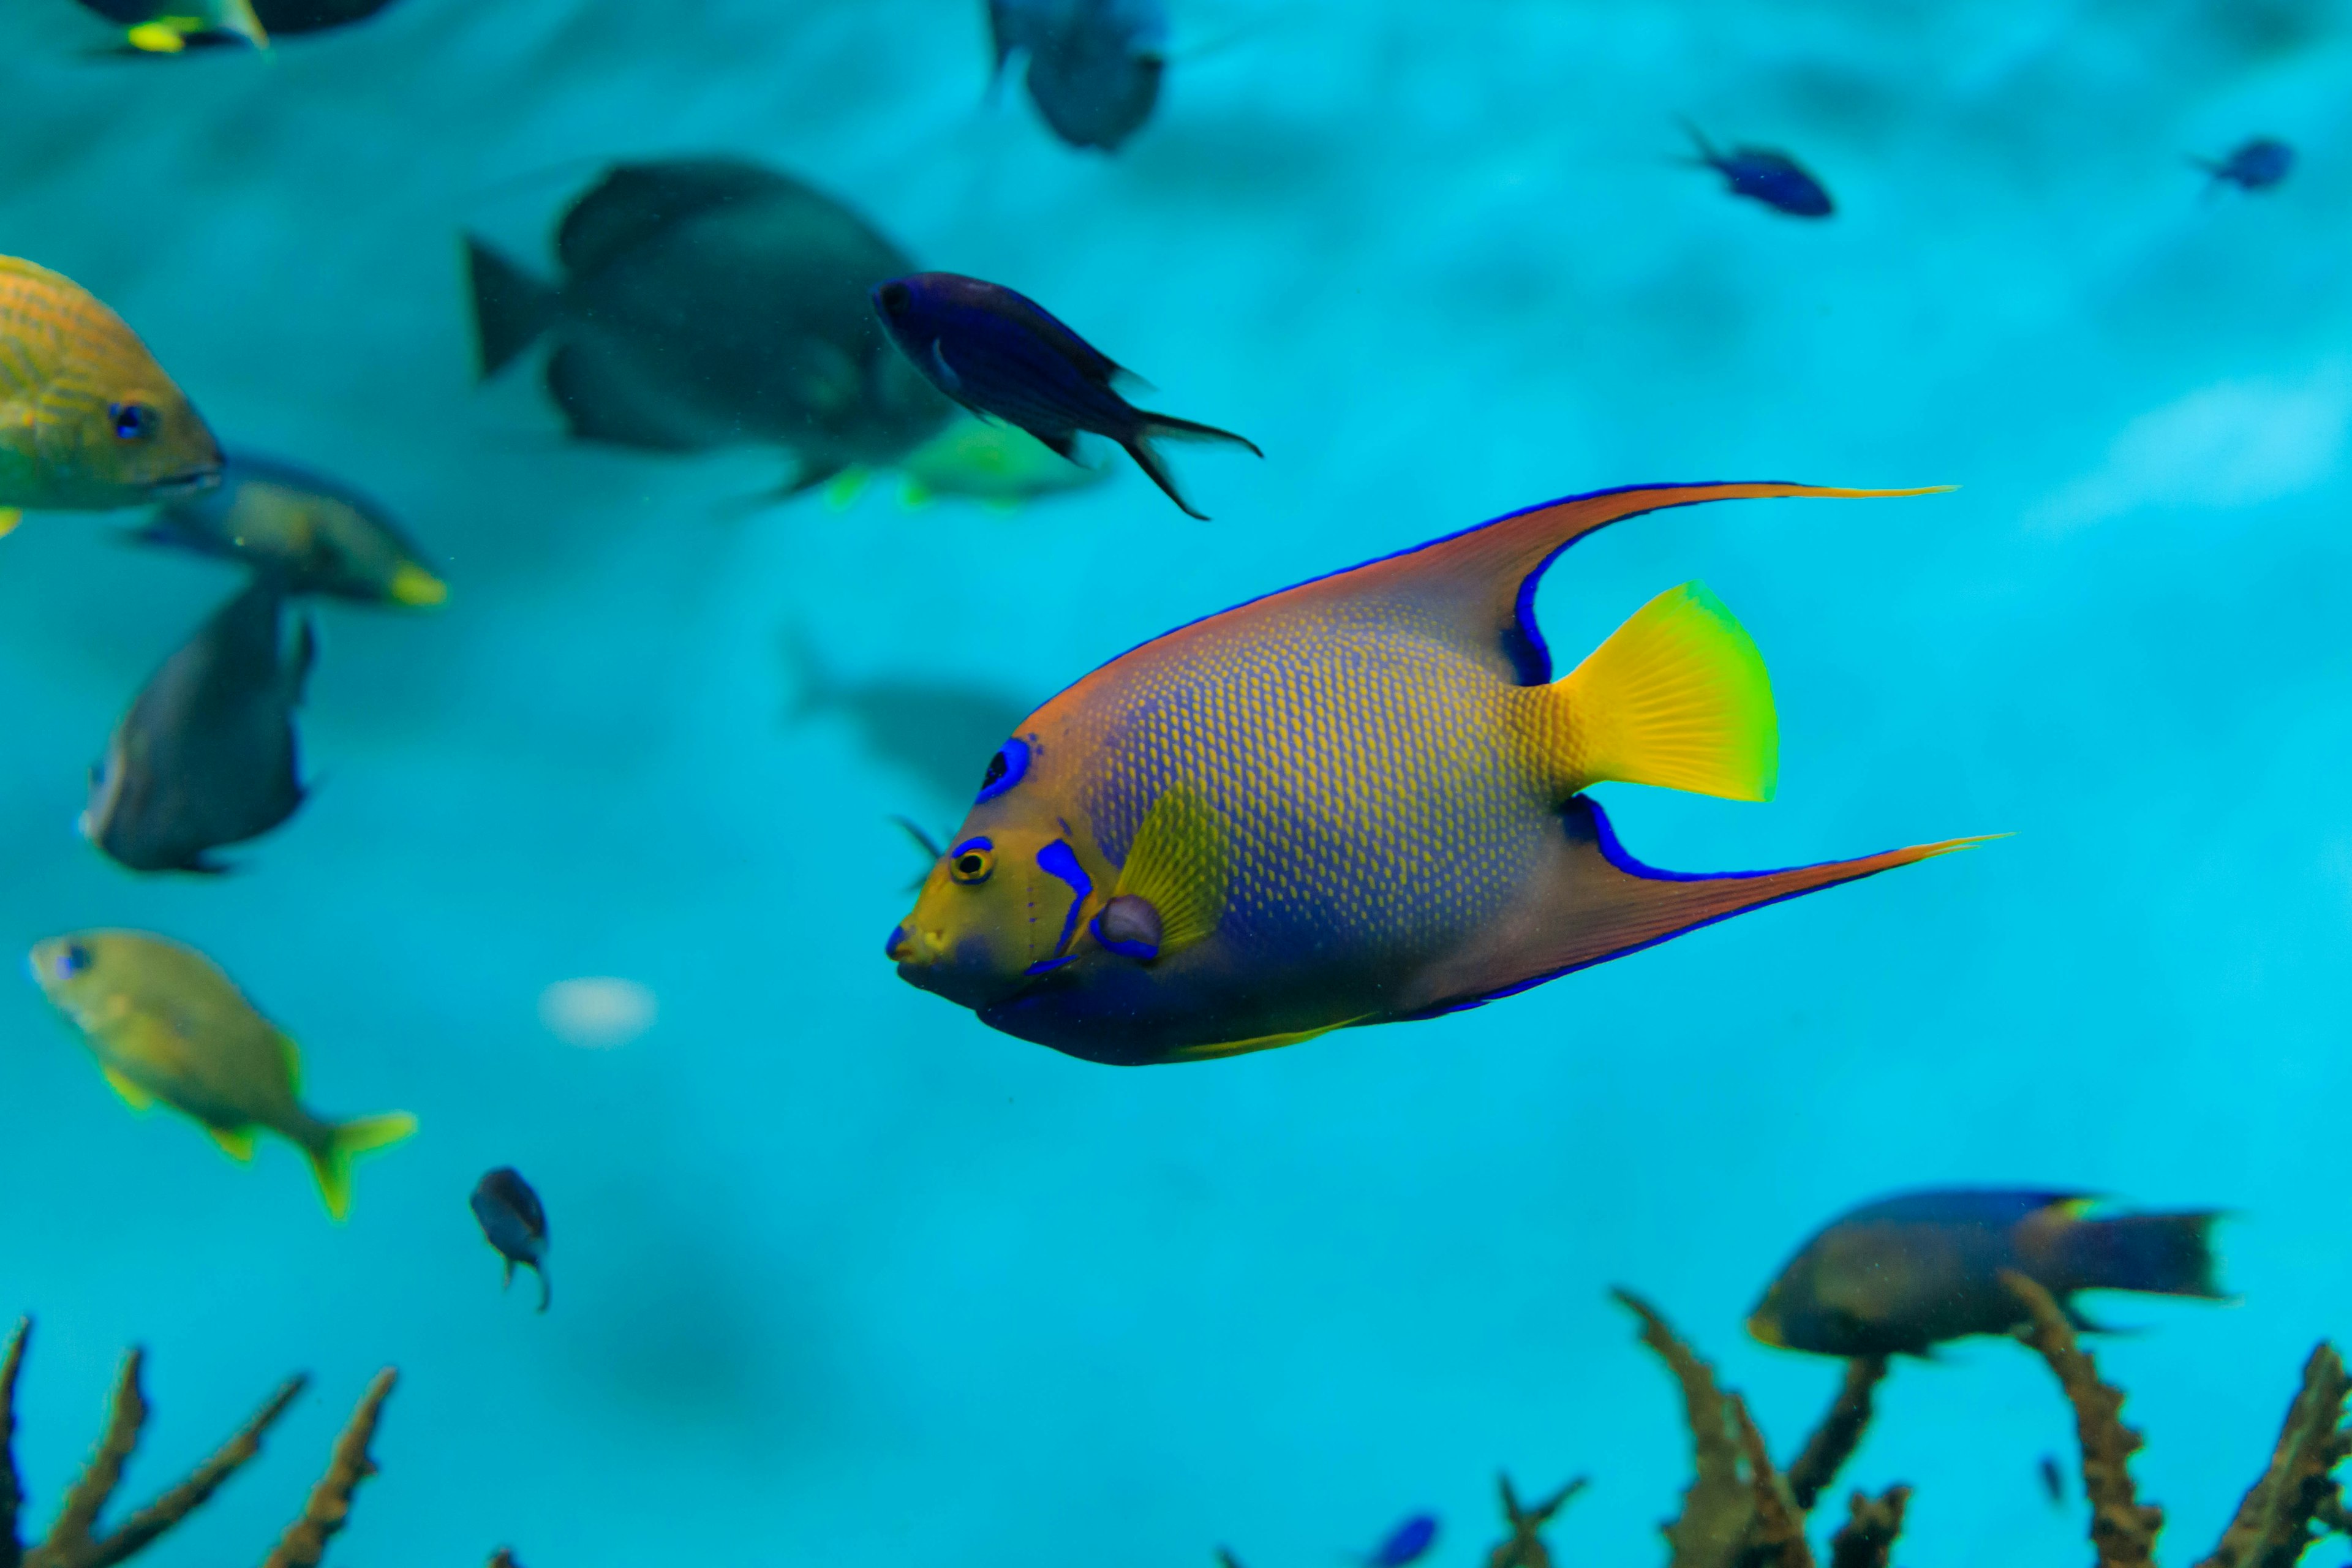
(318, 536)
(706, 303)
(206, 757)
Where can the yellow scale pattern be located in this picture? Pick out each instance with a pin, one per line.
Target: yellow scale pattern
(44, 318)
(1384, 788)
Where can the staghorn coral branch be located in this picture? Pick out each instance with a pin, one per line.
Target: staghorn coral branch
(2273, 1527)
(1866, 1540)
(12, 1486)
(1718, 1506)
(329, 1508)
(206, 1478)
(1839, 1433)
(1776, 1532)
(1525, 1549)
(69, 1543)
(2123, 1528)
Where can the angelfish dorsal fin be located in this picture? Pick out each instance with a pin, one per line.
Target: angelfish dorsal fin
(1181, 864)
(1476, 588)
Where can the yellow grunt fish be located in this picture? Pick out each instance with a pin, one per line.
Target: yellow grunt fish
(165, 1023)
(88, 421)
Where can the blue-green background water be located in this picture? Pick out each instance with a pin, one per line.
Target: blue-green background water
(843, 1276)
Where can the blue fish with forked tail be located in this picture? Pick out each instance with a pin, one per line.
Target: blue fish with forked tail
(1357, 801)
(999, 353)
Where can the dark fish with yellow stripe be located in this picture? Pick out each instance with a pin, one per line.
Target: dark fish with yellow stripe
(1357, 801)
(88, 421)
(313, 534)
(206, 757)
(166, 1024)
(1905, 1274)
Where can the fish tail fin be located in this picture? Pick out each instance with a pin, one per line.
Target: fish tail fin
(2164, 1254)
(238, 17)
(546, 1291)
(1677, 697)
(1150, 426)
(331, 1156)
(511, 308)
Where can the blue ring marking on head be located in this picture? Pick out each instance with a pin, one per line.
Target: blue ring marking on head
(1059, 860)
(1007, 768)
(1143, 951)
(890, 944)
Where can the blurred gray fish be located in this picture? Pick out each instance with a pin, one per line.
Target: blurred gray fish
(206, 757)
(944, 732)
(514, 1222)
(1094, 67)
(317, 536)
(706, 303)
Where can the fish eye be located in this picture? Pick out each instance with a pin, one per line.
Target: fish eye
(134, 421)
(1006, 769)
(971, 861)
(73, 961)
(895, 298)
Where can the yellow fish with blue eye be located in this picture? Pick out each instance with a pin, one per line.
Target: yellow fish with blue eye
(1357, 801)
(166, 1024)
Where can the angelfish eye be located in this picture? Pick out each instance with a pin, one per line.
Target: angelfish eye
(1006, 769)
(73, 961)
(134, 421)
(972, 860)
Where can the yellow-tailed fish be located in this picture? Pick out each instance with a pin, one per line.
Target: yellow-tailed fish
(1356, 801)
(166, 1024)
(1000, 464)
(88, 421)
(311, 533)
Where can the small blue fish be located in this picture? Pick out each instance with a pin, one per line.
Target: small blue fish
(1905, 1274)
(514, 1221)
(999, 353)
(1408, 1543)
(1094, 64)
(2256, 166)
(1761, 174)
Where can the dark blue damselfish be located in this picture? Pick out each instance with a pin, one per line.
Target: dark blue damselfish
(1762, 175)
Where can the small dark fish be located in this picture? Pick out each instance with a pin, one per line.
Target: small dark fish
(944, 732)
(2255, 165)
(706, 303)
(2053, 1481)
(317, 536)
(1409, 1542)
(1095, 66)
(514, 1221)
(999, 353)
(1762, 175)
(206, 757)
(1906, 1273)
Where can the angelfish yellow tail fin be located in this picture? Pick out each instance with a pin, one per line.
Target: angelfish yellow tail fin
(1677, 697)
(331, 1160)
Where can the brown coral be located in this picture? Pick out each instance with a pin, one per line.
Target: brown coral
(76, 1539)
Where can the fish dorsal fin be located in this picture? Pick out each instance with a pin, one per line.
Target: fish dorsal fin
(1477, 589)
(1181, 864)
(236, 1144)
(1091, 362)
(635, 202)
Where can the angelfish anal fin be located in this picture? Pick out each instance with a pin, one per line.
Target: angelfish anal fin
(1594, 901)
(236, 1143)
(1181, 864)
(136, 1098)
(1479, 585)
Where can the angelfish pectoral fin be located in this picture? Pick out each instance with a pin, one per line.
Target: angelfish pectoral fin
(1597, 902)
(1172, 890)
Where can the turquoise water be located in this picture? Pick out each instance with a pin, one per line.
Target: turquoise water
(842, 1276)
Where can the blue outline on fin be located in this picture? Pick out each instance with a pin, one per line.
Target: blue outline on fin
(1141, 951)
(1614, 852)
(1522, 644)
